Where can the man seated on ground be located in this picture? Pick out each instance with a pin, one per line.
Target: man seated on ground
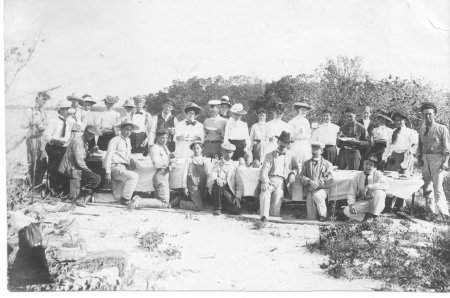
(222, 182)
(367, 193)
(74, 166)
(279, 169)
(117, 163)
(315, 174)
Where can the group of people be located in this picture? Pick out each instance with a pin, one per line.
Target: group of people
(286, 152)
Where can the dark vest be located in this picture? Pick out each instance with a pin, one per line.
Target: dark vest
(163, 124)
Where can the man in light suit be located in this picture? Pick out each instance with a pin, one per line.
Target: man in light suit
(279, 169)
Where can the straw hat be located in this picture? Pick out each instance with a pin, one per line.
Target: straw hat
(192, 106)
(128, 103)
(238, 108)
(74, 96)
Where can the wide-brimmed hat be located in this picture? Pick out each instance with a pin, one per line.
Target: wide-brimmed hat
(228, 147)
(63, 105)
(111, 99)
(399, 115)
(384, 117)
(225, 100)
(139, 98)
(74, 96)
(214, 102)
(192, 106)
(238, 108)
(127, 122)
(428, 105)
(128, 103)
(92, 129)
(317, 144)
(372, 158)
(284, 137)
(169, 101)
(302, 104)
(44, 94)
(191, 146)
(88, 99)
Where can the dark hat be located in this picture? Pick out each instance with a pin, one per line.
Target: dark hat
(261, 111)
(191, 146)
(384, 117)
(285, 137)
(192, 106)
(161, 132)
(428, 105)
(302, 104)
(225, 100)
(350, 110)
(399, 115)
(92, 129)
(44, 95)
(372, 158)
(169, 101)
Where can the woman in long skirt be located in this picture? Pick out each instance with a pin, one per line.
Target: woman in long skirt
(236, 132)
(275, 127)
(301, 133)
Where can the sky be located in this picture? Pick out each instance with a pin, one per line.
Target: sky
(130, 47)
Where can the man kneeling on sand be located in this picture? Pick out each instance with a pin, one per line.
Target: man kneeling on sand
(367, 193)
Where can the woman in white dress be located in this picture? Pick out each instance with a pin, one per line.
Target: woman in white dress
(259, 136)
(301, 133)
(188, 131)
(275, 127)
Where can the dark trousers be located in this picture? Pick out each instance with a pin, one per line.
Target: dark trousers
(37, 162)
(349, 159)
(330, 153)
(57, 180)
(136, 139)
(223, 199)
(90, 180)
(239, 152)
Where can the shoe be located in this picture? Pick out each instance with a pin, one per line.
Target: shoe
(322, 218)
(124, 202)
(79, 202)
(217, 212)
(369, 217)
(263, 222)
(134, 203)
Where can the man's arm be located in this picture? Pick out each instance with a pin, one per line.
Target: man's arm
(365, 138)
(381, 182)
(304, 180)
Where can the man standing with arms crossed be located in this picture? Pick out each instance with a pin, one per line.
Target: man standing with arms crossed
(433, 155)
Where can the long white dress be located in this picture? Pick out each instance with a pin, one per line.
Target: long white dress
(189, 133)
(260, 132)
(301, 135)
(275, 127)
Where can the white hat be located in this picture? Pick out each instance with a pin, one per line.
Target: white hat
(238, 108)
(214, 102)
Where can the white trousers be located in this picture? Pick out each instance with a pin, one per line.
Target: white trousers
(432, 174)
(316, 203)
(270, 200)
(374, 206)
(123, 182)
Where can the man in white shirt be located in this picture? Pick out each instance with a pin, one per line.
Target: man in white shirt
(214, 129)
(401, 146)
(57, 136)
(381, 135)
(90, 118)
(327, 133)
(143, 119)
(367, 193)
(118, 162)
(108, 120)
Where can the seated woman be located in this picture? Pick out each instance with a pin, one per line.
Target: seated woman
(236, 132)
(188, 131)
(194, 180)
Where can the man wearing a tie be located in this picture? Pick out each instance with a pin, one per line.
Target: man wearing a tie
(143, 119)
(278, 170)
(367, 193)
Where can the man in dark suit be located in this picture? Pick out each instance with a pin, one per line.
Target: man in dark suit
(166, 121)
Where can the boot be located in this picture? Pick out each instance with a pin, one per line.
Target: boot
(138, 202)
(90, 196)
(80, 200)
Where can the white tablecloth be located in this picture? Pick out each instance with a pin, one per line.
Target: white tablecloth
(145, 169)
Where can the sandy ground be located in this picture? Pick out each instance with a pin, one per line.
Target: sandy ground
(217, 252)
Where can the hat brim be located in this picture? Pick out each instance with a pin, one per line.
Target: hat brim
(384, 117)
(135, 127)
(225, 103)
(195, 109)
(298, 106)
(372, 160)
(243, 112)
(74, 98)
(284, 141)
(90, 101)
(191, 146)
(399, 115)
